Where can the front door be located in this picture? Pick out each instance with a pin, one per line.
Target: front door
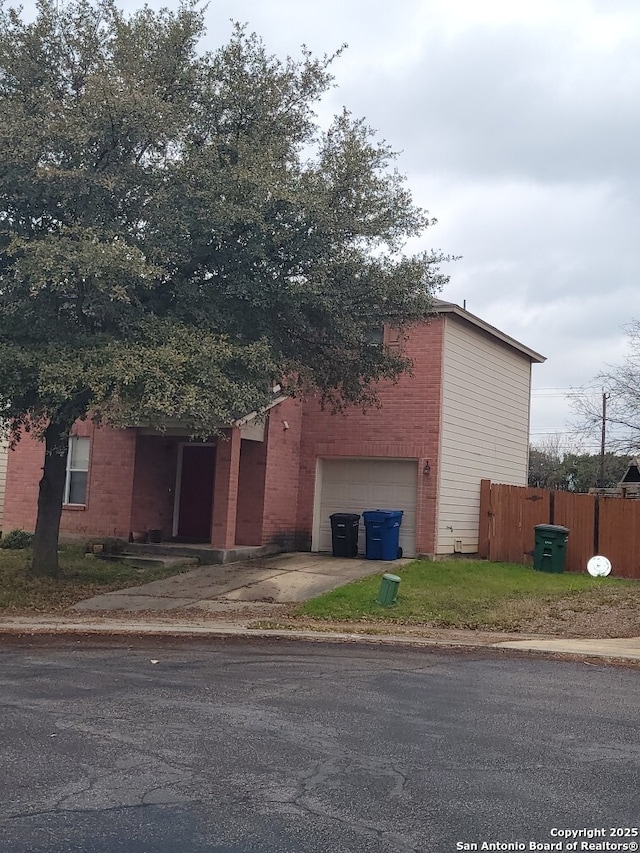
(195, 503)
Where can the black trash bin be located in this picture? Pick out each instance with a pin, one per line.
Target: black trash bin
(344, 534)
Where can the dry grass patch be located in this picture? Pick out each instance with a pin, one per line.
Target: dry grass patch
(81, 576)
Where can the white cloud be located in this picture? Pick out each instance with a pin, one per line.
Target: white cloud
(517, 121)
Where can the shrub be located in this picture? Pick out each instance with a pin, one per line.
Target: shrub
(16, 540)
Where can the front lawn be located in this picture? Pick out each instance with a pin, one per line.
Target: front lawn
(81, 576)
(488, 596)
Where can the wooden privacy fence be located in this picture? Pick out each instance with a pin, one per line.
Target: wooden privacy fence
(597, 525)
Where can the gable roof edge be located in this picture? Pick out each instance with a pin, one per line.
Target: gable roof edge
(442, 307)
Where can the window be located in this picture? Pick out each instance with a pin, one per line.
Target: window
(388, 336)
(374, 336)
(75, 487)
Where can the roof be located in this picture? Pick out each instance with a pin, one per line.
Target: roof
(277, 396)
(632, 474)
(175, 427)
(442, 307)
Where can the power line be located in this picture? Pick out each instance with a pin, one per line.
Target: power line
(556, 432)
(544, 392)
(559, 391)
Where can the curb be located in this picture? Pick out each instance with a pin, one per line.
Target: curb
(549, 648)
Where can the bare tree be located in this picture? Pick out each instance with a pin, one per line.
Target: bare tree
(611, 413)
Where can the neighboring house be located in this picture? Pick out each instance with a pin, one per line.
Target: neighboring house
(461, 416)
(3, 476)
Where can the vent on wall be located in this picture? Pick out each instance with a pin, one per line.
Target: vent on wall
(457, 546)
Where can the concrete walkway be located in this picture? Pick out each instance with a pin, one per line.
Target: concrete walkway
(282, 579)
(218, 601)
(624, 648)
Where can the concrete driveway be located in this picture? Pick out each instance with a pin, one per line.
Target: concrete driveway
(283, 579)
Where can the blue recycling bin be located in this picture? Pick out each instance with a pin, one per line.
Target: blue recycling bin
(382, 527)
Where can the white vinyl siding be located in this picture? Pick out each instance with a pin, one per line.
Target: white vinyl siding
(356, 485)
(3, 475)
(485, 428)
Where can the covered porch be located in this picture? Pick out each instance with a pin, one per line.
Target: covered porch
(206, 493)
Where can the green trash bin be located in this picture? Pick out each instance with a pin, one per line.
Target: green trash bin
(551, 548)
(388, 590)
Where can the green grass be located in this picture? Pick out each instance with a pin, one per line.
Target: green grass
(470, 594)
(81, 576)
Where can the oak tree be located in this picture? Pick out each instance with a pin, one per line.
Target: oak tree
(177, 232)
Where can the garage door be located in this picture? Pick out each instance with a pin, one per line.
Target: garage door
(354, 485)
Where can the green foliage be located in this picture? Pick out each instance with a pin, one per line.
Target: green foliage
(176, 231)
(464, 594)
(574, 472)
(16, 540)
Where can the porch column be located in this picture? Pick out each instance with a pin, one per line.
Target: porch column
(225, 491)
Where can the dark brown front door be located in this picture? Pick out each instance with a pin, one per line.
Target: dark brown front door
(196, 492)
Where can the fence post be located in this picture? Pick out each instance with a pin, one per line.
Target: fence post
(485, 519)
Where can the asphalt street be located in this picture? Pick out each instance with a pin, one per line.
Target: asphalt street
(254, 747)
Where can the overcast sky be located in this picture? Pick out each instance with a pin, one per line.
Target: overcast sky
(516, 120)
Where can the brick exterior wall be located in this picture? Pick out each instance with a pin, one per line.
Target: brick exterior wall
(4, 450)
(253, 463)
(406, 426)
(24, 471)
(154, 483)
(271, 497)
(281, 475)
(107, 511)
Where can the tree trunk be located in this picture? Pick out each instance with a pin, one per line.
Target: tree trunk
(50, 497)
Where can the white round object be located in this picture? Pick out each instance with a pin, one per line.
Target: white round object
(599, 567)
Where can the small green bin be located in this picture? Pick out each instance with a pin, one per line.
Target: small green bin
(551, 548)
(388, 590)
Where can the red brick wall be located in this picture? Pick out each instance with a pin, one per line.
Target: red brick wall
(109, 498)
(281, 475)
(154, 483)
(406, 426)
(253, 464)
(109, 490)
(225, 490)
(131, 486)
(24, 471)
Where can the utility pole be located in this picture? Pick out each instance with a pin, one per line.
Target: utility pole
(603, 437)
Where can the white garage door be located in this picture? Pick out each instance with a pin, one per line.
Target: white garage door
(354, 485)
